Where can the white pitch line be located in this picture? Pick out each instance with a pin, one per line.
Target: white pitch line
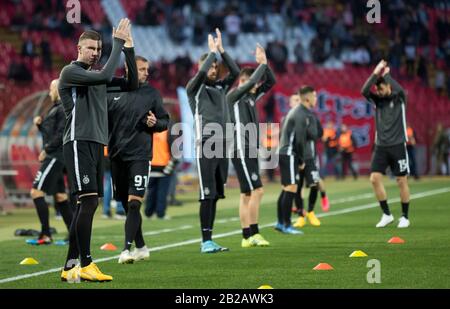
(193, 241)
(233, 219)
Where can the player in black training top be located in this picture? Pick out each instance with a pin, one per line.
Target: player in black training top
(296, 126)
(207, 100)
(390, 140)
(50, 177)
(83, 94)
(242, 104)
(133, 117)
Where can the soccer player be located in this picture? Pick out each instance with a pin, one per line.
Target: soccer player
(133, 117)
(208, 104)
(83, 95)
(291, 159)
(311, 170)
(50, 177)
(390, 139)
(308, 99)
(242, 104)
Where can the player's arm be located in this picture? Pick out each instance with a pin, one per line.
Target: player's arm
(394, 84)
(269, 82)
(157, 119)
(270, 79)
(56, 137)
(300, 138)
(228, 61)
(162, 117)
(131, 82)
(72, 76)
(312, 128)
(239, 92)
(319, 128)
(365, 91)
(198, 79)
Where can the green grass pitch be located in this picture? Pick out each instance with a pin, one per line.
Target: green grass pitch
(421, 262)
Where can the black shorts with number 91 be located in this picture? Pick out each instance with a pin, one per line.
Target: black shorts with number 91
(396, 157)
(129, 178)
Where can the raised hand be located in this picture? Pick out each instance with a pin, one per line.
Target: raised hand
(381, 65)
(129, 39)
(387, 70)
(218, 41)
(211, 44)
(123, 29)
(260, 55)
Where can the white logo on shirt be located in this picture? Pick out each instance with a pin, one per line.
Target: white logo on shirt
(116, 99)
(206, 190)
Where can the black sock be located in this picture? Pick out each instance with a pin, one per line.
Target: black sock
(43, 214)
(384, 206)
(74, 252)
(139, 239)
(299, 201)
(213, 213)
(88, 207)
(254, 229)
(205, 219)
(288, 198)
(246, 232)
(132, 222)
(405, 209)
(65, 211)
(280, 207)
(312, 198)
(323, 194)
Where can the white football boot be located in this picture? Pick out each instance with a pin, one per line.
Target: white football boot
(126, 257)
(385, 220)
(403, 223)
(141, 253)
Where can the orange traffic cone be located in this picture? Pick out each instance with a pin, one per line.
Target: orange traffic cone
(108, 247)
(323, 266)
(396, 240)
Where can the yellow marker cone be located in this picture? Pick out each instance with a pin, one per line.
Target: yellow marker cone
(29, 261)
(358, 253)
(265, 287)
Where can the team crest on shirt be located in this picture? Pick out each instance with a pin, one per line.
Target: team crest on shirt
(251, 102)
(391, 105)
(297, 177)
(206, 190)
(86, 179)
(254, 177)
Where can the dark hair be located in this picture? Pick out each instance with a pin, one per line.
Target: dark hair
(305, 90)
(380, 81)
(90, 35)
(140, 58)
(248, 71)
